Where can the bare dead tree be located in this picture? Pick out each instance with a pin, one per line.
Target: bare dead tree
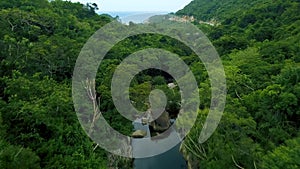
(91, 92)
(11, 25)
(114, 160)
(89, 86)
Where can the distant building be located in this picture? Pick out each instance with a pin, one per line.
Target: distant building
(171, 85)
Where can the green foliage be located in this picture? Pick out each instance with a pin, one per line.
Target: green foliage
(39, 114)
(159, 80)
(284, 156)
(12, 157)
(228, 43)
(218, 9)
(38, 124)
(258, 42)
(45, 39)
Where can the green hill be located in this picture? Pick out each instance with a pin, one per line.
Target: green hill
(259, 43)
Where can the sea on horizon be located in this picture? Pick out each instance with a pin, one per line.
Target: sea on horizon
(133, 16)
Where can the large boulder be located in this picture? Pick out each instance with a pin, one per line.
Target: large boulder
(162, 123)
(139, 134)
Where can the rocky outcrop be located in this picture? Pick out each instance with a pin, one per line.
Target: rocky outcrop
(144, 121)
(184, 18)
(162, 123)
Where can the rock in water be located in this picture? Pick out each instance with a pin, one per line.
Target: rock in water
(139, 134)
(162, 123)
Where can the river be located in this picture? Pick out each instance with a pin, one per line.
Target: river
(170, 159)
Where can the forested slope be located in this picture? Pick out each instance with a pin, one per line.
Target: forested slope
(259, 43)
(40, 42)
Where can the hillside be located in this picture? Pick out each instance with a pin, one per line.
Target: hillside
(259, 43)
(40, 41)
(223, 9)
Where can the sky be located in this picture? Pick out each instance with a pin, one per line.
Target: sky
(138, 5)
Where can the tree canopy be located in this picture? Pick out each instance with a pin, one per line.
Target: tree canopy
(258, 42)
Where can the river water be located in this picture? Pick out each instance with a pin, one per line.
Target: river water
(171, 159)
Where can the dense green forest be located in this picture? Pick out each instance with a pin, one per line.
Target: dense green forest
(259, 44)
(40, 42)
